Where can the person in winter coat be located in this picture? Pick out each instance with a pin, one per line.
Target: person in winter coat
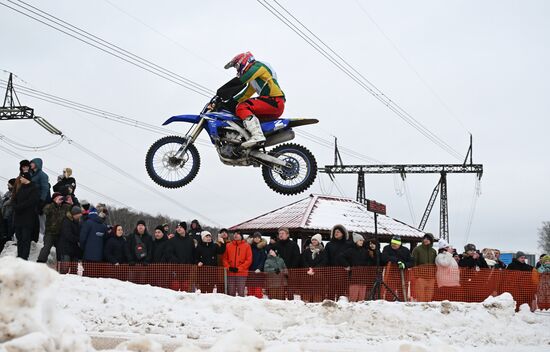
(66, 184)
(160, 246)
(6, 218)
(24, 166)
(181, 249)
(92, 236)
(140, 245)
(69, 250)
(473, 276)
(255, 280)
(424, 255)
(338, 244)
(40, 179)
(400, 259)
(237, 260)
(447, 274)
(207, 251)
(287, 249)
(195, 231)
(521, 280)
(356, 256)
(116, 248)
(224, 235)
(314, 257)
(206, 258)
(25, 203)
(55, 212)
(276, 271)
(543, 291)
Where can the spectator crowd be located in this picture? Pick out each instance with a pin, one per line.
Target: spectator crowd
(253, 265)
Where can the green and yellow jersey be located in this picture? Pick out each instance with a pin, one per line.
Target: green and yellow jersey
(261, 79)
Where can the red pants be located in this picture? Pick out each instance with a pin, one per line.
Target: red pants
(264, 108)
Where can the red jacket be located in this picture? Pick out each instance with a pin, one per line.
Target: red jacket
(238, 254)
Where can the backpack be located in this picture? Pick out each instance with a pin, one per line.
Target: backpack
(140, 249)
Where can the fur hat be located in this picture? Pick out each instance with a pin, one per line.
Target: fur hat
(24, 163)
(358, 237)
(11, 182)
(76, 210)
(69, 171)
(317, 237)
(204, 234)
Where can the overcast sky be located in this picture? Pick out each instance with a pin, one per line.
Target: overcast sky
(486, 60)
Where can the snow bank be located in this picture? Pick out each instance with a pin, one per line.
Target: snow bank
(37, 305)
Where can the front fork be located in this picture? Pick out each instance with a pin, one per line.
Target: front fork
(190, 138)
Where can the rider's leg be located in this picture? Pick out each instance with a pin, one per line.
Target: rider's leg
(251, 109)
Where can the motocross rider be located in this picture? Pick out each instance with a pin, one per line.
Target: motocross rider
(268, 105)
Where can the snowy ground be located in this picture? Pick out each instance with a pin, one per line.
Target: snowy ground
(43, 311)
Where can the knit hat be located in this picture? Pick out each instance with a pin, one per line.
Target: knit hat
(442, 244)
(396, 240)
(204, 234)
(357, 237)
(26, 176)
(56, 194)
(11, 181)
(183, 224)
(68, 171)
(76, 210)
(160, 227)
(141, 222)
(469, 247)
(545, 259)
(317, 237)
(520, 254)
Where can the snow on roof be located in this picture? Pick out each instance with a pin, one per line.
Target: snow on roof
(321, 213)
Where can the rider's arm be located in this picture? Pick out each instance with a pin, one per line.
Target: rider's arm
(254, 72)
(247, 93)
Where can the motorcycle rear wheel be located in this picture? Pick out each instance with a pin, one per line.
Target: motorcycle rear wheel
(168, 171)
(296, 178)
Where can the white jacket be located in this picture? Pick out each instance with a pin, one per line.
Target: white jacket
(448, 273)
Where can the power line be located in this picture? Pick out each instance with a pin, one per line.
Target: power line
(415, 71)
(105, 46)
(356, 76)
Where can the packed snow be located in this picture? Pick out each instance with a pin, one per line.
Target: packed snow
(43, 311)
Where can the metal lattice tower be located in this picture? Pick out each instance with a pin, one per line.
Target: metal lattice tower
(12, 108)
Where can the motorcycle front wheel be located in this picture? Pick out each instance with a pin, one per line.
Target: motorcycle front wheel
(299, 174)
(167, 170)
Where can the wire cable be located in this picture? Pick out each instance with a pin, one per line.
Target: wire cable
(356, 76)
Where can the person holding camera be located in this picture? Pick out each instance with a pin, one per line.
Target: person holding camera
(277, 273)
(237, 259)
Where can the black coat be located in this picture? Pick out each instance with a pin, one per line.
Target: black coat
(207, 253)
(336, 247)
(25, 205)
(160, 250)
(116, 250)
(517, 265)
(320, 259)
(181, 250)
(69, 238)
(289, 252)
(360, 256)
(401, 254)
(132, 242)
(469, 262)
(64, 185)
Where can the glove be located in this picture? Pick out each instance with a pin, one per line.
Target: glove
(257, 271)
(234, 270)
(401, 265)
(277, 271)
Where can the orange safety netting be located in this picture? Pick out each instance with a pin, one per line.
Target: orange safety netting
(423, 283)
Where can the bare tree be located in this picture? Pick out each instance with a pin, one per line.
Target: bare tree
(544, 236)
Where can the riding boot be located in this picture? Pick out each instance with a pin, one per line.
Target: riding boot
(252, 125)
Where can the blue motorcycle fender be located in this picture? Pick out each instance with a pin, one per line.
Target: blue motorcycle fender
(274, 126)
(183, 118)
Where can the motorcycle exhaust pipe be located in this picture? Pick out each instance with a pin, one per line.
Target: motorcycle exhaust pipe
(279, 138)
